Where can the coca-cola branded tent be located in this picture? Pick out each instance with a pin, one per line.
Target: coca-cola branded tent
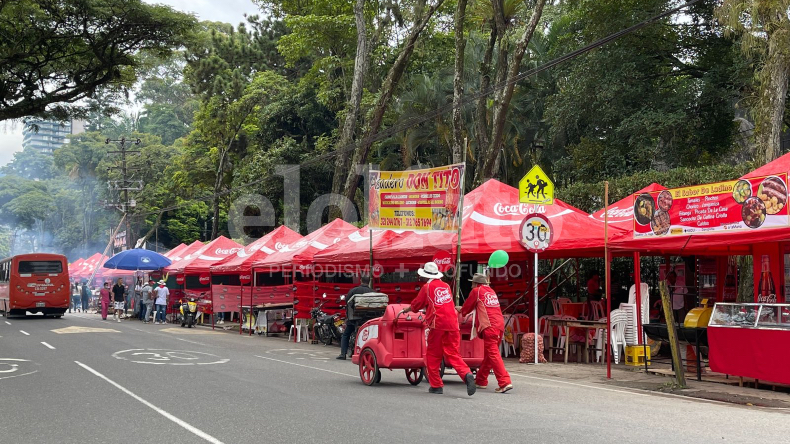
(231, 277)
(175, 250)
(301, 253)
(621, 213)
(177, 256)
(493, 216)
(87, 266)
(75, 266)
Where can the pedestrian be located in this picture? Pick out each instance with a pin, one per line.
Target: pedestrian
(138, 300)
(86, 297)
(161, 292)
(351, 326)
(104, 296)
(444, 333)
(118, 291)
(490, 323)
(76, 302)
(146, 294)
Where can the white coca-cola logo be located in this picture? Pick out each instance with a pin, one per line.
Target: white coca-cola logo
(616, 212)
(226, 251)
(245, 277)
(490, 299)
(443, 261)
(443, 296)
(279, 246)
(518, 209)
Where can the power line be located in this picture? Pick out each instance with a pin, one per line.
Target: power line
(470, 98)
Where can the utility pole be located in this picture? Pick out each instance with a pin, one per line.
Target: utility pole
(126, 183)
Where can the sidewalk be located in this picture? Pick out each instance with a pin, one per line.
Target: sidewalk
(655, 381)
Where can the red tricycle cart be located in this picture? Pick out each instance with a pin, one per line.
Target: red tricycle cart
(396, 341)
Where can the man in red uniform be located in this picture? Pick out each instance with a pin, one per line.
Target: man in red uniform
(484, 303)
(444, 334)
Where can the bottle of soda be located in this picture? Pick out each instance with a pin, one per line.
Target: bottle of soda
(767, 293)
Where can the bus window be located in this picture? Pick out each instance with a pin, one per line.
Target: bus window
(40, 267)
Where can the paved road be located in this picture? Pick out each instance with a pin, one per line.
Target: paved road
(83, 380)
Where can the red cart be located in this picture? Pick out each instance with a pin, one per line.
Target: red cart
(396, 341)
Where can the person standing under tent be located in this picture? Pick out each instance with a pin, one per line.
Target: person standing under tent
(444, 333)
(351, 326)
(161, 292)
(138, 299)
(118, 291)
(146, 303)
(85, 296)
(104, 295)
(484, 302)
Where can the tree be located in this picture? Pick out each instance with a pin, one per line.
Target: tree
(764, 30)
(55, 53)
(32, 164)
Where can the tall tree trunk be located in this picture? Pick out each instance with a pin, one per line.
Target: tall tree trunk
(773, 91)
(218, 188)
(481, 113)
(151, 232)
(387, 89)
(342, 162)
(458, 80)
(502, 97)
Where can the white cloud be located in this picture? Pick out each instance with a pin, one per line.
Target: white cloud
(10, 141)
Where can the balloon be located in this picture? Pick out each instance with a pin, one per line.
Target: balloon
(498, 259)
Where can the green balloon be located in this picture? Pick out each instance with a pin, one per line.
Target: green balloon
(498, 259)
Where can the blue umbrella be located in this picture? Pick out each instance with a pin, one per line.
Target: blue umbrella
(137, 259)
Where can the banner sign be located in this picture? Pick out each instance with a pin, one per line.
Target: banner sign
(746, 204)
(415, 200)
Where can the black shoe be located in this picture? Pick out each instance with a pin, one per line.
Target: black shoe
(470, 384)
(341, 357)
(436, 390)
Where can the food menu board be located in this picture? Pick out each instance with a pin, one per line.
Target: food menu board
(746, 204)
(416, 199)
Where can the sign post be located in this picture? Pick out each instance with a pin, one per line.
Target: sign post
(536, 235)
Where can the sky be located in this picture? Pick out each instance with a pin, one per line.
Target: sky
(229, 11)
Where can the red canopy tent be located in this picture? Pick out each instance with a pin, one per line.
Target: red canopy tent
(87, 266)
(227, 285)
(175, 250)
(287, 271)
(74, 266)
(621, 213)
(184, 252)
(493, 216)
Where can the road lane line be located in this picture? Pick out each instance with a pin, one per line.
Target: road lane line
(307, 366)
(48, 346)
(176, 420)
(7, 322)
(24, 333)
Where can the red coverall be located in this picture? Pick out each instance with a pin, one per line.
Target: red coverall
(444, 334)
(490, 327)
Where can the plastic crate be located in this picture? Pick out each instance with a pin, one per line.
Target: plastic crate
(635, 355)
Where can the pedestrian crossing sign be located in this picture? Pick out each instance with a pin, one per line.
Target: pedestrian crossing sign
(536, 188)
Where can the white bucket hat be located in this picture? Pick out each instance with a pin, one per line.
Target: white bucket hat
(430, 271)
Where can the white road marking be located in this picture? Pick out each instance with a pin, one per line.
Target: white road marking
(307, 366)
(7, 322)
(48, 346)
(192, 342)
(176, 420)
(24, 332)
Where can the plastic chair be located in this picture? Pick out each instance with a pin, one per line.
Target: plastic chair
(599, 335)
(299, 327)
(619, 319)
(561, 301)
(511, 344)
(597, 309)
(645, 295)
(631, 336)
(555, 305)
(520, 324)
(543, 327)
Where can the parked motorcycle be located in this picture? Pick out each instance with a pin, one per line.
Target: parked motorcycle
(326, 328)
(188, 312)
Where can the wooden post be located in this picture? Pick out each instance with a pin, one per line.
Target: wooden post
(673, 336)
(457, 277)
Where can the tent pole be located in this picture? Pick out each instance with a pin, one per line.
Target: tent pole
(460, 223)
(638, 288)
(607, 261)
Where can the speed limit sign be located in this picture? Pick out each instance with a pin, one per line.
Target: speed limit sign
(536, 233)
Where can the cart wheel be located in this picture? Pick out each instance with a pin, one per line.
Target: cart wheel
(441, 369)
(368, 368)
(415, 375)
(378, 377)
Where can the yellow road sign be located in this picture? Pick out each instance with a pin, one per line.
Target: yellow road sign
(536, 188)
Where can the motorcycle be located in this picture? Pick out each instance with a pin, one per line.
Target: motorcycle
(188, 312)
(326, 328)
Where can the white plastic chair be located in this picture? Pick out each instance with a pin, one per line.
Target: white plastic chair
(645, 296)
(631, 336)
(299, 327)
(555, 305)
(597, 309)
(599, 335)
(619, 319)
(543, 326)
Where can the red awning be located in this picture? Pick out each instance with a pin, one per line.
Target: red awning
(493, 216)
(202, 259)
(175, 250)
(303, 250)
(389, 248)
(185, 252)
(258, 250)
(621, 213)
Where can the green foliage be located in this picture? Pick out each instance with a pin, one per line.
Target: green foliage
(55, 53)
(30, 164)
(588, 196)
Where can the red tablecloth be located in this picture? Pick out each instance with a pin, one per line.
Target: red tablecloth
(574, 309)
(753, 353)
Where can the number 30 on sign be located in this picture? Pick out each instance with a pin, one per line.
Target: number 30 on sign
(536, 233)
